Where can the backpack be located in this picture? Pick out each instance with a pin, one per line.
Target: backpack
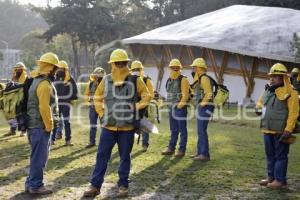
(142, 113)
(2, 87)
(220, 91)
(12, 98)
(191, 94)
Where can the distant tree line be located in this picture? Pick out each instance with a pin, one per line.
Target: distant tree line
(77, 28)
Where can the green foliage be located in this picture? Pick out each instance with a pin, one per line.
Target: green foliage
(33, 45)
(295, 46)
(1, 56)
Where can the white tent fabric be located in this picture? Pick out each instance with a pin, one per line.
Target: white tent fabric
(264, 32)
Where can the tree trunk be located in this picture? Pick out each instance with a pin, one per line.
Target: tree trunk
(75, 61)
(86, 51)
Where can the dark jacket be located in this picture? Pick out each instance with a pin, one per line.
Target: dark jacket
(66, 92)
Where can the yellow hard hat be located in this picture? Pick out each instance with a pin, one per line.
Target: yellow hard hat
(175, 63)
(62, 64)
(99, 71)
(278, 69)
(118, 55)
(295, 70)
(199, 62)
(50, 58)
(20, 65)
(136, 65)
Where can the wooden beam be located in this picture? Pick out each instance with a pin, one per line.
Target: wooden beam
(203, 52)
(190, 53)
(253, 71)
(161, 67)
(181, 52)
(244, 72)
(168, 52)
(213, 64)
(223, 66)
(152, 54)
(269, 63)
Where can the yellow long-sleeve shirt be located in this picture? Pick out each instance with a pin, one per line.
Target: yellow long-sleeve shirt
(293, 111)
(207, 89)
(142, 92)
(44, 91)
(150, 88)
(86, 94)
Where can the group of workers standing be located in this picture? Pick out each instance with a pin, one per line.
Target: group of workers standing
(120, 99)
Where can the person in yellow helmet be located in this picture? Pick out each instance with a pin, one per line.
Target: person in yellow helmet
(116, 102)
(67, 93)
(137, 69)
(177, 87)
(295, 79)
(279, 106)
(41, 109)
(19, 77)
(19, 73)
(95, 79)
(203, 90)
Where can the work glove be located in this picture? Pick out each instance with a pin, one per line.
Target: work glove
(285, 135)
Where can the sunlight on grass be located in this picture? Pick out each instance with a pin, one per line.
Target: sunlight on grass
(237, 163)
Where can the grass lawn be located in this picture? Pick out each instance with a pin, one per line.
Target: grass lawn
(237, 165)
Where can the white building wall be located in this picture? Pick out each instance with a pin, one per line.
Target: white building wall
(235, 84)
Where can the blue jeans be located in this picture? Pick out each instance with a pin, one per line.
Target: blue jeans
(108, 139)
(64, 111)
(59, 127)
(13, 125)
(177, 120)
(204, 114)
(277, 157)
(40, 143)
(145, 141)
(93, 115)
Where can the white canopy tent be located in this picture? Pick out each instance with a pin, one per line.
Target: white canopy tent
(237, 40)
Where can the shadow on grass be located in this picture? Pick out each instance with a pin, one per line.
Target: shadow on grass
(77, 177)
(8, 138)
(13, 155)
(60, 162)
(24, 195)
(81, 176)
(53, 164)
(152, 176)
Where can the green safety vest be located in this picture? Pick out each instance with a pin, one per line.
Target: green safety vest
(34, 117)
(199, 92)
(173, 88)
(92, 87)
(118, 101)
(276, 113)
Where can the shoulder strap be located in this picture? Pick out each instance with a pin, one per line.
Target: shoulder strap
(145, 79)
(133, 79)
(91, 85)
(168, 80)
(215, 84)
(180, 80)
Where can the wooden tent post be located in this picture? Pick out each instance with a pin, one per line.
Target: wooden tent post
(249, 80)
(223, 66)
(214, 64)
